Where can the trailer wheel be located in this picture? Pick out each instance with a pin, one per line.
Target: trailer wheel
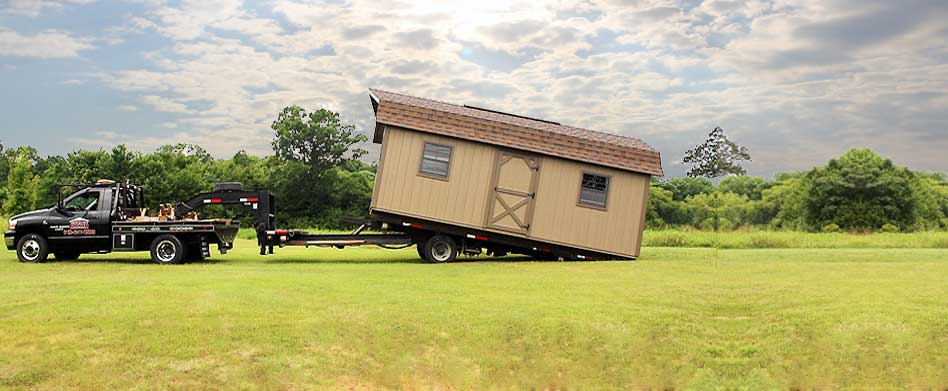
(440, 249)
(168, 249)
(32, 248)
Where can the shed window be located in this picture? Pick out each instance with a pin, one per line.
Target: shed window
(594, 190)
(435, 160)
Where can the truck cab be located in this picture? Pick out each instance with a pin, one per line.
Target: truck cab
(107, 216)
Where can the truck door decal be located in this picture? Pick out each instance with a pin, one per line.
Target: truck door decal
(78, 226)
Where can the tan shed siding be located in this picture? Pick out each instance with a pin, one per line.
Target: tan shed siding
(559, 218)
(461, 198)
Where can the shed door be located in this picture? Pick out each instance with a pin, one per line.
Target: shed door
(510, 206)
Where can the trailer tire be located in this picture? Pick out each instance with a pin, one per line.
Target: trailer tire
(32, 248)
(168, 250)
(440, 249)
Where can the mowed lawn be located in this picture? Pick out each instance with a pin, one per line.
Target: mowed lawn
(377, 319)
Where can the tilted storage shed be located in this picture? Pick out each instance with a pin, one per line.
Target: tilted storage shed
(511, 175)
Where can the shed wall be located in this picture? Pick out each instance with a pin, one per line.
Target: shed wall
(462, 199)
(558, 216)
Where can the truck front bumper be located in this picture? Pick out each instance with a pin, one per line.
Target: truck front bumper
(8, 240)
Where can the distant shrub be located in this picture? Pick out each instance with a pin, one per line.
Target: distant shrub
(890, 228)
(721, 224)
(831, 227)
(769, 241)
(940, 243)
(666, 239)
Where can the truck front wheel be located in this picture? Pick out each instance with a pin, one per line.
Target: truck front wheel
(168, 249)
(32, 248)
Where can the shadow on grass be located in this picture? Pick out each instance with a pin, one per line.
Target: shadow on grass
(128, 261)
(353, 261)
(349, 260)
(460, 260)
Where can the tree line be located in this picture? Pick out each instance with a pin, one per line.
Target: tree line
(859, 191)
(316, 173)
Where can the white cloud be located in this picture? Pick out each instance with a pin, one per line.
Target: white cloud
(106, 134)
(47, 44)
(72, 82)
(127, 107)
(165, 104)
(34, 8)
(765, 72)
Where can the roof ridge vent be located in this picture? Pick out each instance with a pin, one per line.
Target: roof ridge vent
(512, 115)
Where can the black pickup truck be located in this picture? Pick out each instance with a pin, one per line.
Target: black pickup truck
(106, 217)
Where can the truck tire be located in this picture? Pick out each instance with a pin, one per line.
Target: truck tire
(440, 249)
(168, 250)
(66, 255)
(32, 248)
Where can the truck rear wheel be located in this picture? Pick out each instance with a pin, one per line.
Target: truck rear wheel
(168, 249)
(32, 248)
(440, 249)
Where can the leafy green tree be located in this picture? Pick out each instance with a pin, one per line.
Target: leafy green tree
(320, 139)
(931, 198)
(860, 191)
(4, 171)
(683, 188)
(174, 172)
(54, 172)
(22, 185)
(719, 211)
(751, 187)
(350, 193)
(311, 147)
(716, 157)
(119, 165)
(781, 205)
(664, 209)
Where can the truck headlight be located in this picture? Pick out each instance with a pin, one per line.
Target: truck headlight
(12, 224)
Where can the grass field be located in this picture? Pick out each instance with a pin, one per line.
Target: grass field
(682, 318)
(792, 239)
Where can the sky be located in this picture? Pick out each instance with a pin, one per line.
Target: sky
(797, 82)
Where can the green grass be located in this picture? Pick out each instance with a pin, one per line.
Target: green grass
(359, 318)
(790, 239)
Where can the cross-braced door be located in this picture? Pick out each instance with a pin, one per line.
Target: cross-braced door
(510, 206)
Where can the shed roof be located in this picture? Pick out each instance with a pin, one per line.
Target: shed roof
(534, 135)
